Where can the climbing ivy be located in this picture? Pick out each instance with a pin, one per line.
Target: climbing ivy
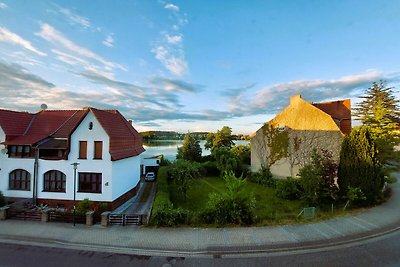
(277, 141)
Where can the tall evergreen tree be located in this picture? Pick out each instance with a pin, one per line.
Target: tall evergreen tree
(380, 110)
(190, 149)
(359, 164)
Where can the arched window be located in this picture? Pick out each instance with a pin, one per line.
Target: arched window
(54, 181)
(19, 180)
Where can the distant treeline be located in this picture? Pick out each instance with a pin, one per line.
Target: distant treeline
(171, 135)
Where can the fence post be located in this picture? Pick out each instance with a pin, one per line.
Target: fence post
(104, 218)
(89, 218)
(45, 215)
(3, 213)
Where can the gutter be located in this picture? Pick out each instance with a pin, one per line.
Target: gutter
(36, 170)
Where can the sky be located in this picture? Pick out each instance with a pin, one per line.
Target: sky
(194, 65)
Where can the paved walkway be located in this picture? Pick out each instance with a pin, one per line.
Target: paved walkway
(187, 241)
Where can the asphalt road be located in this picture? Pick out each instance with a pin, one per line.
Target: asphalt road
(380, 251)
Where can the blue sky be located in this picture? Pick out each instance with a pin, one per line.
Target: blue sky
(193, 65)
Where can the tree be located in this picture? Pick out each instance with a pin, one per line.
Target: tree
(242, 152)
(190, 149)
(359, 165)
(379, 109)
(222, 138)
(226, 160)
(183, 172)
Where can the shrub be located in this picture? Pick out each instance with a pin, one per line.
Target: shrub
(209, 168)
(288, 189)
(102, 208)
(232, 206)
(183, 172)
(84, 206)
(3, 201)
(163, 212)
(262, 177)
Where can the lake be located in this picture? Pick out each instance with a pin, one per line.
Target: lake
(169, 148)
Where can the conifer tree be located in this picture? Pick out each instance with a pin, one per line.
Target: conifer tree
(379, 109)
(190, 150)
(359, 165)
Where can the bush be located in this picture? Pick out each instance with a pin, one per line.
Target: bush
(163, 212)
(262, 177)
(231, 207)
(288, 189)
(3, 201)
(84, 206)
(209, 168)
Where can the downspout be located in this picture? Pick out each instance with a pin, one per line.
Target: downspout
(35, 175)
(36, 171)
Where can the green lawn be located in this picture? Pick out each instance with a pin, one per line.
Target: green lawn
(269, 208)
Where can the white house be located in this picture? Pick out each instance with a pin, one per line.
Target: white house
(38, 150)
(150, 164)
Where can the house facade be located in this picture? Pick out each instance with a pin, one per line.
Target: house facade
(38, 152)
(285, 143)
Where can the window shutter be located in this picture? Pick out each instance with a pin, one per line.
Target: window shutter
(82, 149)
(98, 149)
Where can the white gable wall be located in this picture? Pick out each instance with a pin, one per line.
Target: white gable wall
(7, 165)
(82, 133)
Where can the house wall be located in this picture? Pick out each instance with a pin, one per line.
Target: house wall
(126, 175)
(313, 127)
(7, 165)
(149, 162)
(120, 179)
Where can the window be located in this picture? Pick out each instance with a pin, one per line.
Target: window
(98, 149)
(82, 149)
(20, 152)
(19, 180)
(54, 181)
(90, 182)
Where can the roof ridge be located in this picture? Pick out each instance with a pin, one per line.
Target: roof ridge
(30, 124)
(76, 111)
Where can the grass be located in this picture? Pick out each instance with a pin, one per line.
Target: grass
(269, 209)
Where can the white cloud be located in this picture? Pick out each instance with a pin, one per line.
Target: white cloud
(3, 5)
(174, 39)
(175, 63)
(109, 41)
(172, 7)
(272, 98)
(51, 35)
(74, 18)
(10, 37)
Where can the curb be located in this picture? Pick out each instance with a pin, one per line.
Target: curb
(216, 252)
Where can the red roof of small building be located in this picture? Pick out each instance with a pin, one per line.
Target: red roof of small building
(340, 111)
(22, 128)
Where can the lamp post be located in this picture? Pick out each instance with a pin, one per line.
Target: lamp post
(75, 164)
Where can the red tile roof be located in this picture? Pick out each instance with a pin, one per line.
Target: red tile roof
(14, 123)
(125, 141)
(340, 111)
(23, 128)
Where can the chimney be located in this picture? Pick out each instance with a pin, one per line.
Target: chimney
(130, 122)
